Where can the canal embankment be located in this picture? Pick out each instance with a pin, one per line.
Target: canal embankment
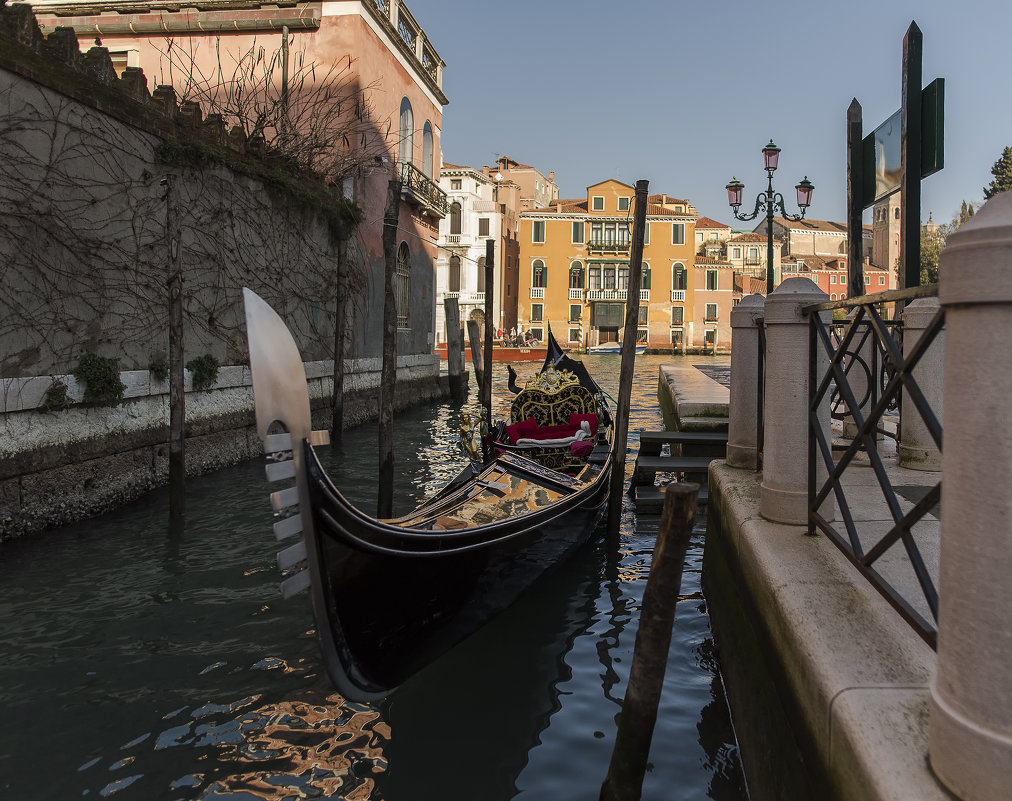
(57, 467)
(828, 685)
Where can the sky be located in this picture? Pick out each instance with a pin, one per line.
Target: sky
(686, 94)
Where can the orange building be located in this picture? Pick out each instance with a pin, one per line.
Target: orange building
(574, 270)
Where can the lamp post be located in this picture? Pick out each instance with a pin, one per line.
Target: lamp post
(770, 201)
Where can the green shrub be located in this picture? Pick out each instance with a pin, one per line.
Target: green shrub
(100, 376)
(55, 399)
(205, 371)
(159, 369)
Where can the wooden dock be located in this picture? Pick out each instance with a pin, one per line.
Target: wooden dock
(689, 454)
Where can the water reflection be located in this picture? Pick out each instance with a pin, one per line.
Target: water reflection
(138, 666)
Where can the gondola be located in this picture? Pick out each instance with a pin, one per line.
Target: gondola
(391, 596)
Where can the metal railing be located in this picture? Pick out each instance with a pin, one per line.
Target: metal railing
(846, 348)
(422, 188)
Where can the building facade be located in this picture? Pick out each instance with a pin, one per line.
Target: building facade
(574, 271)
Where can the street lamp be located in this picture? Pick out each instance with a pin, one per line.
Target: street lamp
(769, 201)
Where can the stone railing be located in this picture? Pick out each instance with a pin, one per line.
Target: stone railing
(947, 578)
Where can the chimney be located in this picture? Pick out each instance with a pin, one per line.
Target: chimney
(558, 207)
(551, 176)
(664, 199)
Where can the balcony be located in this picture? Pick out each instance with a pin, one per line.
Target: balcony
(420, 190)
(645, 294)
(677, 294)
(457, 239)
(606, 294)
(467, 298)
(575, 294)
(537, 293)
(608, 246)
(408, 37)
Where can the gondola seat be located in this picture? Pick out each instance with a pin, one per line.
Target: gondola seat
(555, 408)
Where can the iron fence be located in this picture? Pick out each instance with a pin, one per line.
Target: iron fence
(869, 346)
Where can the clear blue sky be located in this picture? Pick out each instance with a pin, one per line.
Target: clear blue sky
(685, 94)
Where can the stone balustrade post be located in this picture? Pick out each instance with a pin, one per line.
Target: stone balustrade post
(916, 449)
(784, 488)
(742, 424)
(970, 729)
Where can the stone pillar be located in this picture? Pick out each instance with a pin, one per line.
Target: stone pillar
(971, 696)
(784, 488)
(742, 425)
(916, 448)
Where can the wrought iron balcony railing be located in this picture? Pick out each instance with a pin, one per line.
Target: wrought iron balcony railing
(608, 245)
(423, 190)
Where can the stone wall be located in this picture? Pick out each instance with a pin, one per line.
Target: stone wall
(60, 467)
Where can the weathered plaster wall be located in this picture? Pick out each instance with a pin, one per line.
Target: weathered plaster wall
(59, 467)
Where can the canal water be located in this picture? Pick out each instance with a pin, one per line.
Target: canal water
(139, 666)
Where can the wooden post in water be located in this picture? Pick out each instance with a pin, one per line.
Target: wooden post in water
(341, 318)
(624, 781)
(474, 340)
(388, 379)
(454, 348)
(632, 310)
(177, 393)
(489, 328)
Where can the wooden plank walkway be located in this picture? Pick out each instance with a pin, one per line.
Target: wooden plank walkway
(649, 461)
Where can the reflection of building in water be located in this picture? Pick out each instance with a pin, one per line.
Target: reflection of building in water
(315, 747)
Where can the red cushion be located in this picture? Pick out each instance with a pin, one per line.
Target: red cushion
(521, 429)
(581, 448)
(576, 419)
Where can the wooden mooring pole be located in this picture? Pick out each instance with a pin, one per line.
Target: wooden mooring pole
(388, 379)
(632, 310)
(624, 781)
(474, 340)
(489, 329)
(454, 348)
(177, 394)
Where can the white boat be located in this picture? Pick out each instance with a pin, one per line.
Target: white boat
(613, 347)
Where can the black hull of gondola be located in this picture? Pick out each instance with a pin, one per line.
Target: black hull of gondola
(393, 601)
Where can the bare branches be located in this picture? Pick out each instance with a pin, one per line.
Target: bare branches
(317, 117)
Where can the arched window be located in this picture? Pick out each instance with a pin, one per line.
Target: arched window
(678, 276)
(645, 276)
(454, 218)
(427, 150)
(402, 285)
(576, 275)
(538, 274)
(481, 274)
(407, 131)
(454, 274)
